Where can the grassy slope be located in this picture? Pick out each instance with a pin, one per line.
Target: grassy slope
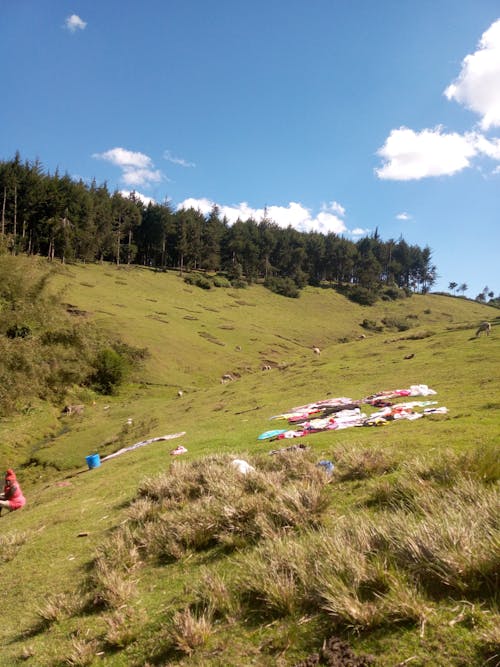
(193, 336)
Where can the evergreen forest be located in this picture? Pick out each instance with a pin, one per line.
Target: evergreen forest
(58, 217)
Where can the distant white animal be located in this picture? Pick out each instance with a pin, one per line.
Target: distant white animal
(266, 367)
(316, 350)
(74, 409)
(180, 393)
(484, 326)
(226, 378)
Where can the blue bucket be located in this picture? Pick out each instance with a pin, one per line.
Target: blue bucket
(93, 461)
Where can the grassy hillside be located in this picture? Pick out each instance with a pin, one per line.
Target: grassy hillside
(86, 577)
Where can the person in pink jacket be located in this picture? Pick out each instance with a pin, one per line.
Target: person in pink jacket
(12, 497)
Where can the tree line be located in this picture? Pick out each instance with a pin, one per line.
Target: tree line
(59, 217)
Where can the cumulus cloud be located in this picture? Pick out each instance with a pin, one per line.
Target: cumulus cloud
(294, 214)
(411, 155)
(477, 86)
(74, 23)
(167, 155)
(403, 216)
(137, 168)
(488, 147)
(144, 198)
(359, 231)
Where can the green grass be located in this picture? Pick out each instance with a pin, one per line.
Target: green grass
(49, 550)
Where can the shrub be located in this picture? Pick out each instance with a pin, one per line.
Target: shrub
(361, 295)
(395, 323)
(283, 286)
(239, 283)
(221, 281)
(394, 293)
(371, 325)
(198, 280)
(18, 331)
(110, 368)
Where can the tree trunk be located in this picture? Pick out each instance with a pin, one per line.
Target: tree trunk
(3, 209)
(15, 220)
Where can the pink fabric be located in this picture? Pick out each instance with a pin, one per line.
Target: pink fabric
(17, 501)
(12, 491)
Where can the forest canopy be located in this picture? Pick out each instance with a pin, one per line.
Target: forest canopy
(58, 217)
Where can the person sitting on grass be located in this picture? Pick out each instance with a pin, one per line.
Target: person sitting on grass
(12, 497)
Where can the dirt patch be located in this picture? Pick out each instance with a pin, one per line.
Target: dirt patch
(336, 653)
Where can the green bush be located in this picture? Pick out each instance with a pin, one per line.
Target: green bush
(110, 368)
(239, 283)
(395, 323)
(221, 281)
(198, 280)
(19, 331)
(371, 325)
(283, 286)
(394, 293)
(361, 295)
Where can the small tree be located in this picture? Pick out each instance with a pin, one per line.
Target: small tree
(110, 368)
(452, 286)
(463, 288)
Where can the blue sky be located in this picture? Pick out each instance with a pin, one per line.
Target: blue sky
(335, 115)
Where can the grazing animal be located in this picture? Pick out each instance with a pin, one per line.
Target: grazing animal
(266, 367)
(484, 326)
(74, 409)
(316, 350)
(180, 393)
(226, 378)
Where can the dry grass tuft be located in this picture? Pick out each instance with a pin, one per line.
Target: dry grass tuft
(11, 543)
(122, 626)
(208, 503)
(111, 588)
(355, 464)
(56, 607)
(213, 594)
(82, 652)
(190, 631)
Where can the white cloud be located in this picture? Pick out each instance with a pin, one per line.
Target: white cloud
(137, 168)
(410, 155)
(403, 216)
(167, 155)
(413, 155)
(334, 207)
(358, 231)
(74, 23)
(488, 147)
(478, 84)
(144, 198)
(294, 214)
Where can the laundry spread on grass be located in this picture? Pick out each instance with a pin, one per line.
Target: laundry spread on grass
(171, 436)
(334, 414)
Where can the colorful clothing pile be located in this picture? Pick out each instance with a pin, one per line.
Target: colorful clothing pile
(338, 413)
